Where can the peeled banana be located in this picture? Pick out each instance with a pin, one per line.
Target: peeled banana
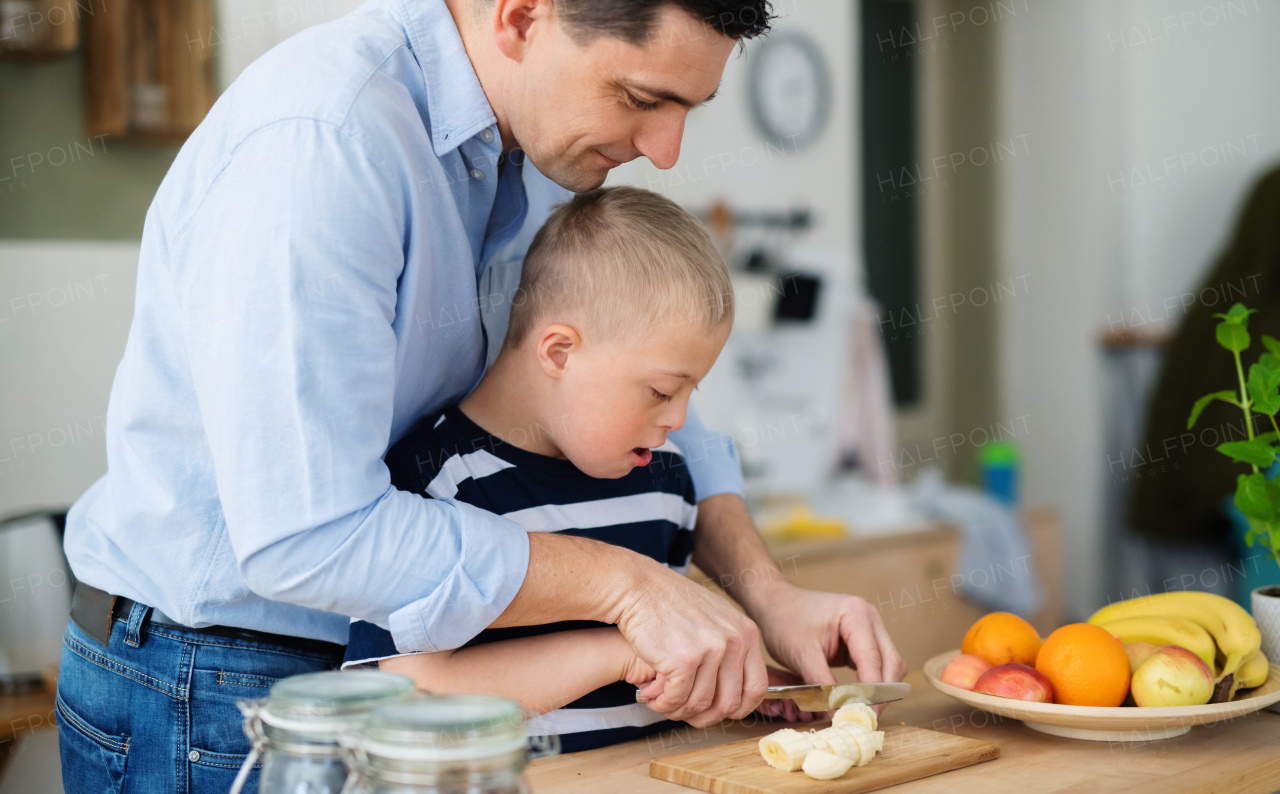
(858, 713)
(822, 765)
(1231, 627)
(1165, 630)
(786, 749)
(851, 742)
(1253, 672)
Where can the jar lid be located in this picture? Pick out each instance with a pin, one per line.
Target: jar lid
(446, 728)
(328, 701)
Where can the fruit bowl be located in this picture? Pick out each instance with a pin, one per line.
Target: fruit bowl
(1119, 724)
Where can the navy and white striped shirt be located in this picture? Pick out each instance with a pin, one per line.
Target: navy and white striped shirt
(650, 511)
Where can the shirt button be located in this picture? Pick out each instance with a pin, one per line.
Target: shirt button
(486, 136)
(194, 755)
(476, 173)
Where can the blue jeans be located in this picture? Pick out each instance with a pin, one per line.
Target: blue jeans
(155, 710)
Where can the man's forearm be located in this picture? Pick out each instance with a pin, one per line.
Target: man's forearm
(728, 548)
(572, 578)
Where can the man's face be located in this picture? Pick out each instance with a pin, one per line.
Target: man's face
(585, 109)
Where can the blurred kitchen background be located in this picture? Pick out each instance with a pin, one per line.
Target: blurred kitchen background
(964, 237)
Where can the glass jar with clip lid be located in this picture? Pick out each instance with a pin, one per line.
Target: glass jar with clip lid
(451, 744)
(296, 728)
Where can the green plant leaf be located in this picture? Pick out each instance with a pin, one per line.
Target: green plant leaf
(1203, 403)
(1252, 498)
(1232, 336)
(1272, 345)
(1254, 451)
(1263, 383)
(1237, 314)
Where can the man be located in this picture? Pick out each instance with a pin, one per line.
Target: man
(330, 258)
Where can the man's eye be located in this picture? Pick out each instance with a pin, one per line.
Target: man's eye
(639, 104)
(661, 396)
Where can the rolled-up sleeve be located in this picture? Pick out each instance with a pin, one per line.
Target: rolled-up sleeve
(712, 458)
(288, 303)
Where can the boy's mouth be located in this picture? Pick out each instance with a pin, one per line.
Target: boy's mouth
(640, 456)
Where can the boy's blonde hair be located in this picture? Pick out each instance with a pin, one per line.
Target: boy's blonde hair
(621, 262)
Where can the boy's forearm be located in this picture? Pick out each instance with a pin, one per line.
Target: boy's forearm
(541, 673)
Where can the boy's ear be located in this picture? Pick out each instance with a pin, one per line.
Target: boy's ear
(555, 343)
(514, 23)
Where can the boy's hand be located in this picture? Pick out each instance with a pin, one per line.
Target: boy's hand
(786, 708)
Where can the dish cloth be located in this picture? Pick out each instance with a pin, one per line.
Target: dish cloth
(996, 570)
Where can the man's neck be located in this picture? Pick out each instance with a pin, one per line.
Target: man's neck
(489, 64)
(505, 406)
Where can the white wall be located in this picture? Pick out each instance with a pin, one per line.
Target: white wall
(1100, 95)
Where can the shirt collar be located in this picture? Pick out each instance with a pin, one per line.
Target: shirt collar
(456, 103)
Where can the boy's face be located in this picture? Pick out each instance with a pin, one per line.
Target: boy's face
(621, 400)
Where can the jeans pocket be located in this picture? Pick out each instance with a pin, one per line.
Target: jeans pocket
(91, 760)
(214, 772)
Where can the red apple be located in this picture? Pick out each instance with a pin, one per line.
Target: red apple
(1172, 676)
(1016, 681)
(1138, 652)
(964, 670)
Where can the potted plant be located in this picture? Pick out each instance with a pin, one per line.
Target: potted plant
(1257, 497)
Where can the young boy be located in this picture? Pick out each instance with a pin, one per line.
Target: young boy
(623, 306)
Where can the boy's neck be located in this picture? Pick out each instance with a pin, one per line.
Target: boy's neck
(507, 405)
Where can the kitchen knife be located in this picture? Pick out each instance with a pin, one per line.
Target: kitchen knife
(829, 697)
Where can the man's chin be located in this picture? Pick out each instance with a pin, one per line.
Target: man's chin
(575, 177)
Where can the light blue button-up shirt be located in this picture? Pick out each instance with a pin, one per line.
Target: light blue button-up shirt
(330, 258)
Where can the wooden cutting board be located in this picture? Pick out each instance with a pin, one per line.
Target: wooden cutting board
(909, 753)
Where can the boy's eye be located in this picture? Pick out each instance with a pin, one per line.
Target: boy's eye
(661, 396)
(637, 103)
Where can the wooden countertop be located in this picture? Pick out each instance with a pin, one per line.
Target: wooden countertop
(1237, 757)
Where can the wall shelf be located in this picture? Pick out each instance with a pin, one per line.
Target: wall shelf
(149, 69)
(42, 30)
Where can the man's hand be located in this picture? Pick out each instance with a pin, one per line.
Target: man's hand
(807, 631)
(706, 653)
(810, 632)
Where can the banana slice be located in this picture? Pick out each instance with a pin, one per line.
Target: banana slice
(821, 765)
(859, 713)
(837, 742)
(869, 742)
(786, 749)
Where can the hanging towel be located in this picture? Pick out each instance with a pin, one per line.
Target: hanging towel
(865, 423)
(996, 570)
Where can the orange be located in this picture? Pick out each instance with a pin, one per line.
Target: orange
(1087, 666)
(1002, 638)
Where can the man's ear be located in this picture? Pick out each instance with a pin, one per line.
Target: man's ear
(517, 22)
(555, 343)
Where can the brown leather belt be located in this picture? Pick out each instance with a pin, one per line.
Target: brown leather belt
(95, 611)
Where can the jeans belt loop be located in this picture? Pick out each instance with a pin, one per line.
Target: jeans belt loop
(133, 633)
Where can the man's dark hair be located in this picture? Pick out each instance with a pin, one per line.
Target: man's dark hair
(633, 21)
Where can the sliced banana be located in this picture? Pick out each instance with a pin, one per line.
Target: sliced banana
(860, 713)
(786, 749)
(837, 742)
(822, 765)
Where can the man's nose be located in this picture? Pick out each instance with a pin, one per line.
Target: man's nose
(660, 140)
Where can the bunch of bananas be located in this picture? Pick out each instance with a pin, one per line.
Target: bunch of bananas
(1214, 628)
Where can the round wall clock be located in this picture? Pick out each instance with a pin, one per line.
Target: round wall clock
(790, 89)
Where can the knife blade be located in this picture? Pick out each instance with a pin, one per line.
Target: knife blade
(829, 697)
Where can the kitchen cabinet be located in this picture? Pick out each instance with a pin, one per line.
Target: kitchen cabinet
(914, 578)
(38, 30)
